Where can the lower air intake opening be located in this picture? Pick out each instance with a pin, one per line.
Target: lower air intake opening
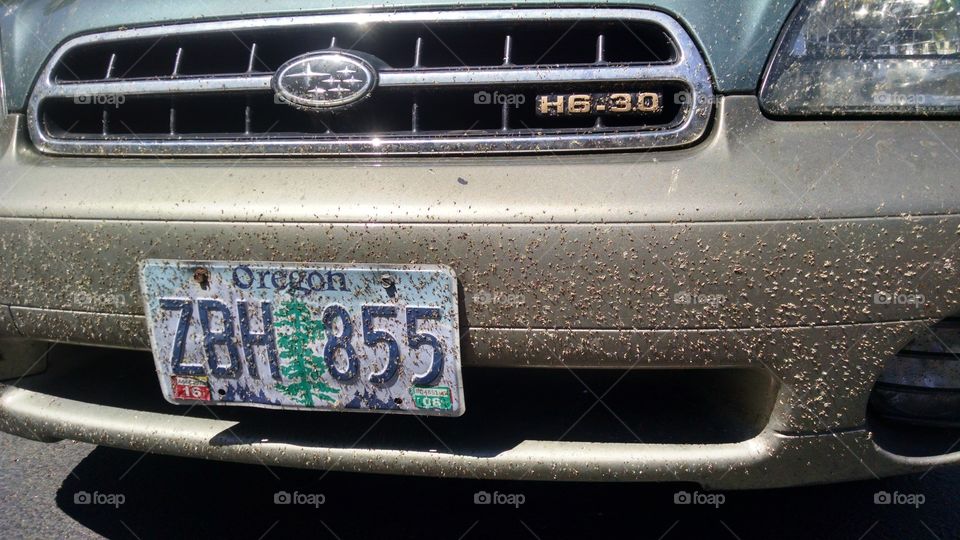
(914, 407)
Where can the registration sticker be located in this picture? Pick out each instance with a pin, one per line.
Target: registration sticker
(439, 398)
(195, 388)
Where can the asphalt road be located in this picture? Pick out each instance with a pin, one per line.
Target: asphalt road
(70, 489)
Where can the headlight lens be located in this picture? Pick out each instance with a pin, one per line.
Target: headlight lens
(867, 57)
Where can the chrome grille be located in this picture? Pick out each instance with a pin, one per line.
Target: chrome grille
(448, 82)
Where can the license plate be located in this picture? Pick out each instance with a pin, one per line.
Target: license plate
(306, 336)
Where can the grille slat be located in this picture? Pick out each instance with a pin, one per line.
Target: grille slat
(176, 62)
(105, 114)
(252, 58)
(433, 71)
(173, 109)
(497, 76)
(418, 48)
(110, 64)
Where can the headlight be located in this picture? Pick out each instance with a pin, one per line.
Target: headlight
(867, 57)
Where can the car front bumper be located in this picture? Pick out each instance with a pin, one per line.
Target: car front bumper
(771, 245)
(769, 460)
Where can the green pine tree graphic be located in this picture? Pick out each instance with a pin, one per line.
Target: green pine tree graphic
(296, 329)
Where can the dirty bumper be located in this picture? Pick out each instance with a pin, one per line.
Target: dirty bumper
(767, 460)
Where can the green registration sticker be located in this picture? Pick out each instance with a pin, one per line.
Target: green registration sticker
(438, 397)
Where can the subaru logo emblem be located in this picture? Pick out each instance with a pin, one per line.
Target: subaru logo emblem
(324, 80)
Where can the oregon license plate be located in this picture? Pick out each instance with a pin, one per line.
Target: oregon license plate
(306, 336)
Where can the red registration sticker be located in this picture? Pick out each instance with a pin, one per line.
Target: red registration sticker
(190, 388)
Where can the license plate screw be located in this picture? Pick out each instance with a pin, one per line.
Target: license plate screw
(389, 284)
(202, 276)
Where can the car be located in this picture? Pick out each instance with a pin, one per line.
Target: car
(710, 242)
